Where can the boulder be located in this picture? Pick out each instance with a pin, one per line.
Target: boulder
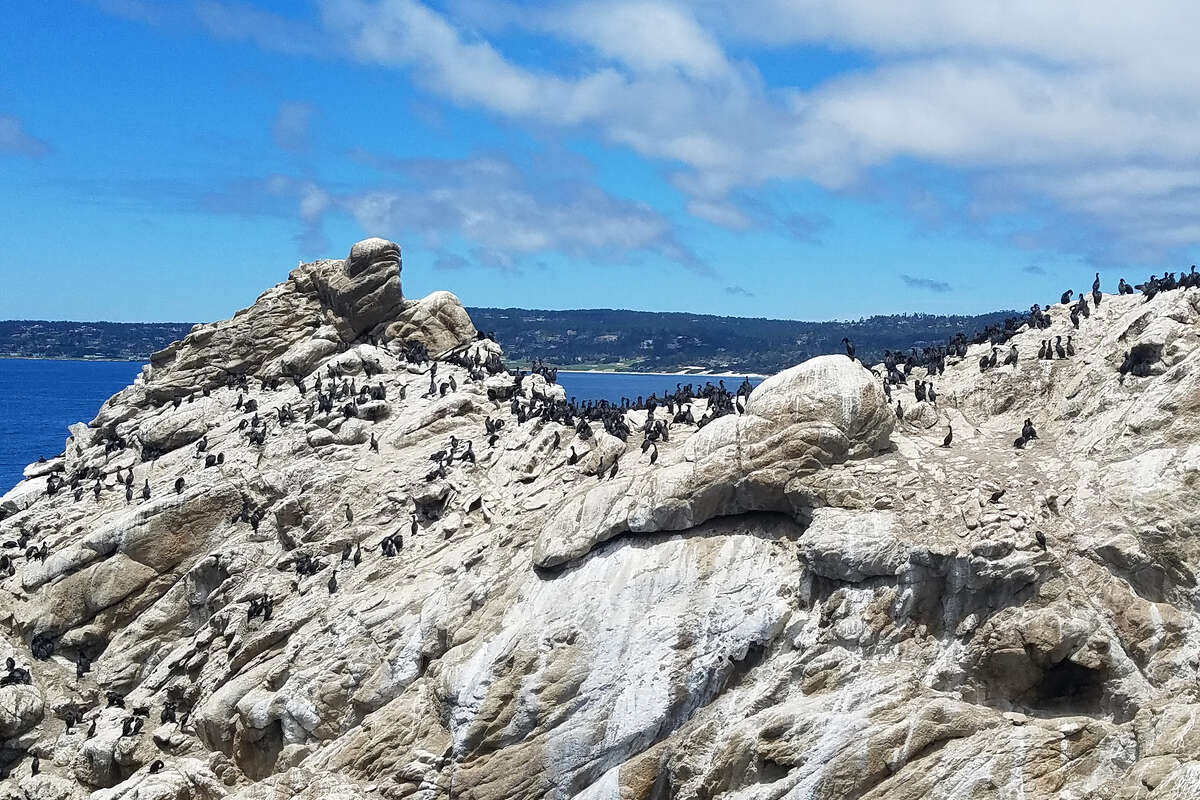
(364, 290)
(175, 427)
(812, 416)
(21, 708)
(437, 320)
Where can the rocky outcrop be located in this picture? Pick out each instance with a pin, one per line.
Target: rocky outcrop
(801, 421)
(810, 599)
(438, 321)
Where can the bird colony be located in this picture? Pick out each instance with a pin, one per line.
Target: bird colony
(332, 548)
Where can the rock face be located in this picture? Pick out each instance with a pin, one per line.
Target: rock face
(796, 424)
(810, 599)
(439, 320)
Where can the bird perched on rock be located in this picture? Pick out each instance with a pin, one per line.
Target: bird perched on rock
(333, 585)
(1041, 539)
(996, 495)
(949, 436)
(179, 484)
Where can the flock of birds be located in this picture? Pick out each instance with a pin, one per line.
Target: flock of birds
(897, 367)
(336, 393)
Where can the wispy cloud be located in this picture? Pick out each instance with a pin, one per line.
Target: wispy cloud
(292, 125)
(1033, 269)
(738, 291)
(240, 21)
(135, 10)
(928, 284)
(450, 261)
(1009, 104)
(512, 215)
(14, 139)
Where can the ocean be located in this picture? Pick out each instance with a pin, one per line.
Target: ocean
(39, 399)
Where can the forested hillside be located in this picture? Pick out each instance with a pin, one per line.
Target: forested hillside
(589, 338)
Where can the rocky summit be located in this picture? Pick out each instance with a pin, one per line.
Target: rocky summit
(331, 548)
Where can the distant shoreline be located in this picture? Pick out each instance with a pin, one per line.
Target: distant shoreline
(96, 360)
(568, 371)
(666, 374)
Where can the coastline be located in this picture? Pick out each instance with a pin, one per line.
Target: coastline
(666, 374)
(99, 360)
(679, 373)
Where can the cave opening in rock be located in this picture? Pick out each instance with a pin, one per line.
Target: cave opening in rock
(1067, 687)
(260, 750)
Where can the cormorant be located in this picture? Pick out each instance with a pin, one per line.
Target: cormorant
(349, 514)
(849, 347)
(179, 483)
(1041, 539)
(949, 436)
(146, 490)
(156, 766)
(574, 457)
(333, 582)
(996, 495)
(1059, 350)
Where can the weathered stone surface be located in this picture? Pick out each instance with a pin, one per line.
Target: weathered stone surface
(175, 427)
(805, 600)
(438, 321)
(798, 422)
(21, 708)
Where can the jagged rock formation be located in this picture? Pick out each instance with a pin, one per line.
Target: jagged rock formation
(809, 600)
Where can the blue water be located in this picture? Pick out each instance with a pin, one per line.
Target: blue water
(39, 399)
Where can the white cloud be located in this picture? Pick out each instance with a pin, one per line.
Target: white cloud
(1080, 111)
(642, 35)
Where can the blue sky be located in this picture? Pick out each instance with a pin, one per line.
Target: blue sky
(802, 159)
